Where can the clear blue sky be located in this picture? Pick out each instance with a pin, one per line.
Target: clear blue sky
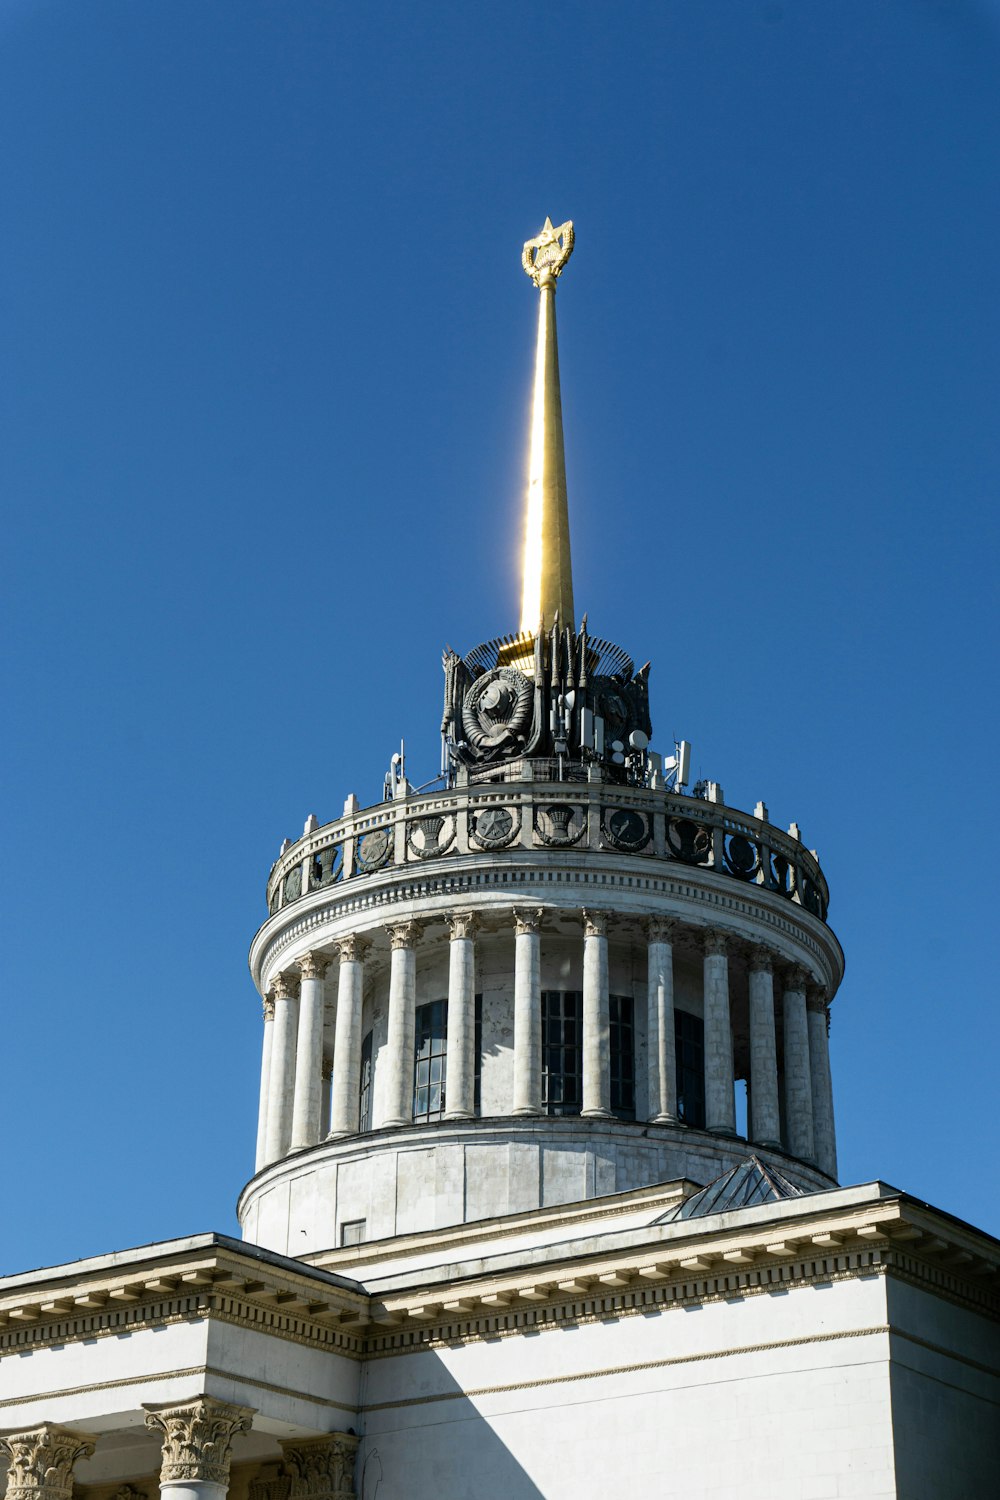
(266, 356)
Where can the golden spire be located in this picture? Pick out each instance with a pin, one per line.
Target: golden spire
(547, 585)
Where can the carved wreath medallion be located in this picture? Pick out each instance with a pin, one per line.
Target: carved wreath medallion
(373, 850)
(560, 824)
(430, 835)
(625, 828)
(494, 827)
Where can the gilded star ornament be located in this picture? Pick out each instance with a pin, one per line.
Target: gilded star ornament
(544, 258)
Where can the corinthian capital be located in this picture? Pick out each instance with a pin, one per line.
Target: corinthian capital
(352, 949)
(595, 923)
(662, 929)
(527, 919)
(321, 1468)
(41, 1461)
(284, 986)
(797, 979)
(715, 944)
(268, 1005)
(761, 960)
(463, 924)
(197, 1438)
(314, 965)
(816, 999)
(403, 934)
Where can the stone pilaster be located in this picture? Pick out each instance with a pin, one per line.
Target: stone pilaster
(265, 1079)
(720, 1102)
(398, 1095)
(824, 1130)
(281, 1083)
(321, 1468)
(660, 1042)
(197, 1439)
(596, 1017)
(42, 1460)
(347, 1035)
(527, 1011)
(798, 1078)
(765, 1115)
(460, 1063)
(306, 1103)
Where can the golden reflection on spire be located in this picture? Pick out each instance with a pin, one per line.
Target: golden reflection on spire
(547, 584)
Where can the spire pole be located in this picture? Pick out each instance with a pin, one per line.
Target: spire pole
(547, 579)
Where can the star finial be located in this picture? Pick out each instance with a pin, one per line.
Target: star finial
(544, 257)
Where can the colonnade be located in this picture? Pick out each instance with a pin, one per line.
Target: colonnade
(195, 1456)
(297, 1110)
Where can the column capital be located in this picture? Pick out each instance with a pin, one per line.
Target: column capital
(714, 944)
(661, 929)
(268, 1005)
(595, 923)
(327, 1069)
(284, 986)
(761, 959)
(321, 1468)
(463, 924)
(816, 999)
(352, 949)
(403, 934)
(197, 1438)
(41, 1461)
(797, 978)
(314, 965)
(527, 919)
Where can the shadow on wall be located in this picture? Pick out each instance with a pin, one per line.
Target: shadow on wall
(424, 1437)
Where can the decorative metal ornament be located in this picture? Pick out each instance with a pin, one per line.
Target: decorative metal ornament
(626, 828)
(494, 827)
(742, 857)
(689, 841)
(555, 824)
(430, 835)
(373, 850)
(544, 258)
(293, 884)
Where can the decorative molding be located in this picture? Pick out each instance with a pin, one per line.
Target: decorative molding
(314, 965)
(285, 986)
(197, 1438)
(42, 1460)
(403, 934)
(527, 920)
(321, 1468)
(463, 924)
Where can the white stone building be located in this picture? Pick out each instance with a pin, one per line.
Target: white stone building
(509, 1235)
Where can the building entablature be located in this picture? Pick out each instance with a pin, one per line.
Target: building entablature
(504, 820)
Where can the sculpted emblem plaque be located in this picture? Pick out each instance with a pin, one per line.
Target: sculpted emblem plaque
(560, 824)
(430, 835)
(496, 713)
(493, 827)
(373, 850)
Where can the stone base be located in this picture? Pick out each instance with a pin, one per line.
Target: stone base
(403, 1180)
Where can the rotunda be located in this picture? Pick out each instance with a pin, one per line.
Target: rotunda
(552, 977)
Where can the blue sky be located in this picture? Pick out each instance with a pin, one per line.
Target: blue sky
(263, 396)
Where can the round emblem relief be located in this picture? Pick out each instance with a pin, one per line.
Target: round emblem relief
(373, 849)
(626, 828)
(492, 827)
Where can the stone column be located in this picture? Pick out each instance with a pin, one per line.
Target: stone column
(798, 1082)
(765, 1115)
(824, 1131)
(527, 1012)
(42, 1460)
(596, 1018)
(306, 1103)
(326, 1083)
(720, 1102)
(397, 1098)
(321, 1468)
(265, 1081)
(347, 1036)
(197, 1445)
(661, 1048)
(281, 1081)
(460, 1063)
